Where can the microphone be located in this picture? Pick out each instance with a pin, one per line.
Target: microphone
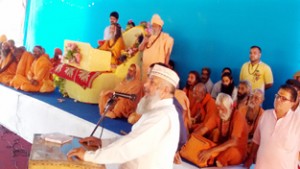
(125, 95)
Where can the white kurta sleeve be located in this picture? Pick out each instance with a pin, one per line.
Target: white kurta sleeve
(144, 138)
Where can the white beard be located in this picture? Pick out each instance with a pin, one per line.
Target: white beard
(225, 116)
(147, 103)
(251, 105)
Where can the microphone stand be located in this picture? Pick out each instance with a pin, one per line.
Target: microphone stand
(108, 105)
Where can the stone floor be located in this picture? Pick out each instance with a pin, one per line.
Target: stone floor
(14, 150)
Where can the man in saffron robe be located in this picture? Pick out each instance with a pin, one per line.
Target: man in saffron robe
(253, 114)
(56, 60)
(8, 64)
(2, 39)
(231, 145)
(193, 79)
(130, 85)
(37, 78)
(116, 44)
(204, 107)
(24, 60)
(11, 44)
(254, 111)
(157, 47)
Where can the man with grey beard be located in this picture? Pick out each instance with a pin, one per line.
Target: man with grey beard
(156, 45)
(5, 50)
(231, 134)
(153, 140)
(8, 64)
(254, 111)
(130, 85)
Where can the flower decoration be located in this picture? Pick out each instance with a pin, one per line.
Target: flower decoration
(72, 53)
(60, 83)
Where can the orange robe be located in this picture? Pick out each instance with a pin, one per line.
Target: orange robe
(238, 129)
(39, 71)
(204, 110)
(242, 106)
(23, 68)
(185, 104)
(7, 75)
(157, 50)
(124, 107)
(115, 49)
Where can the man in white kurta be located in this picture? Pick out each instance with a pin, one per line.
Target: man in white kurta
(153, 141)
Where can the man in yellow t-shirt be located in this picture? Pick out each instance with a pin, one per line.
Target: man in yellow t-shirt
(257, 72)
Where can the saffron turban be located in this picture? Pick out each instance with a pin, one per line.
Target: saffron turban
(166, 74)
(157, 20)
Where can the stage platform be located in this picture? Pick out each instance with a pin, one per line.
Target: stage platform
(29, 113)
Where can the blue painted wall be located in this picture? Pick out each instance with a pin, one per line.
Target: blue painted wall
(213, 33)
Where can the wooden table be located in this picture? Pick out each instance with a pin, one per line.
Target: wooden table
(48, 155)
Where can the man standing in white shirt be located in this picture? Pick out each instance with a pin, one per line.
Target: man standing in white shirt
(113, 17)
(153, 140)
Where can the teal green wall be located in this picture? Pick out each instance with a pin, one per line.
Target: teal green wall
(213, 33)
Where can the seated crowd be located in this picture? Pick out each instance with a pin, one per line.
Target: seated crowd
(221, 115)
(25, 71)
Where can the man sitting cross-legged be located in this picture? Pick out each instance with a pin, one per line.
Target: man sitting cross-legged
(231, 137)
(37, 78)
(24, 60)
(8, 64)
(130, 85)
(204, 107)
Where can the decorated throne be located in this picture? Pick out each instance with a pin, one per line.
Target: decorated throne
(86, 76)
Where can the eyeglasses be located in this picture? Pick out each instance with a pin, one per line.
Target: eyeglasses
(282, 98)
